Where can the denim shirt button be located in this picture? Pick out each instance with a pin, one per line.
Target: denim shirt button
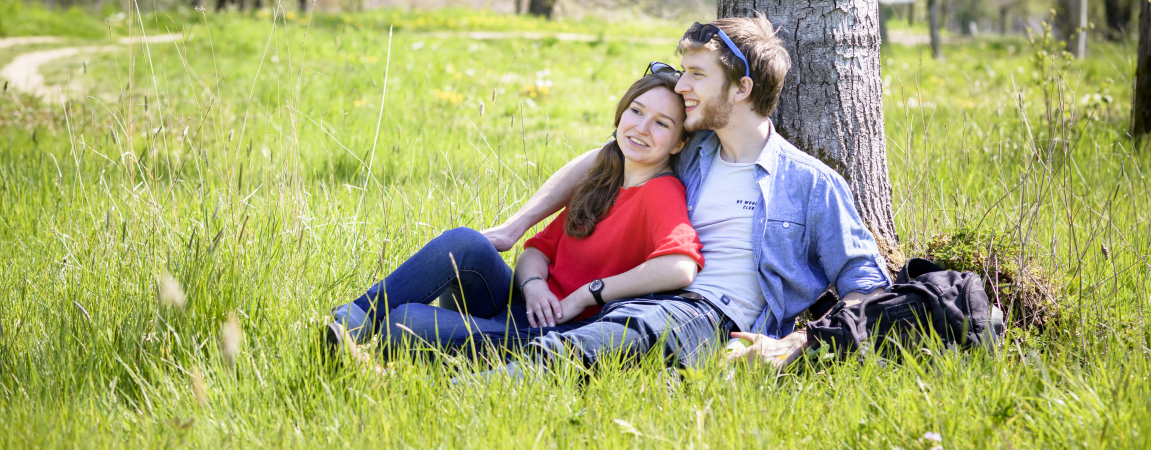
(785, 224)
(689, 208)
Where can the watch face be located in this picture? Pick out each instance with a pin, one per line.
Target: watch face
(596, 285)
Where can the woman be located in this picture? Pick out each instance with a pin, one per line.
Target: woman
(627, 211)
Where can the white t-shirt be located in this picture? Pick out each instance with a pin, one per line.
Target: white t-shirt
(723, 218)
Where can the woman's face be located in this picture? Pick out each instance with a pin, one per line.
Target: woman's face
(649, 130)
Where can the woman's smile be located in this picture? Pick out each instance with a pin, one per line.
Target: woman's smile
(649, 130)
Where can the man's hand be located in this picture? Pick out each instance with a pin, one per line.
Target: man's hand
(502, 237)
(543, 307)
(778, 353)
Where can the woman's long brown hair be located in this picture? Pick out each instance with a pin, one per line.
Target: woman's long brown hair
(595, 195)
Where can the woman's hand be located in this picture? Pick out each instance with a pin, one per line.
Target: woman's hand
(575, 303)
(543, 306)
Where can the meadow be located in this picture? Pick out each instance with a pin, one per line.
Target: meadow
(273, 164)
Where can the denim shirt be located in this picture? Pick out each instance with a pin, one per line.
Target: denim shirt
(806, 233)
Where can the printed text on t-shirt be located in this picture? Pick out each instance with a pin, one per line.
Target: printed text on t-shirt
(747, 204)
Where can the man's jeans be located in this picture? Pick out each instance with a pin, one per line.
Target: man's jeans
(683, 332)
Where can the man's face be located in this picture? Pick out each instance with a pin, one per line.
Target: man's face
(705, 99)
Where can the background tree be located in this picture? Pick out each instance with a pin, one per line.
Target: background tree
(542, 8)
(832, 104)
(1118, 17)
(1078, 32)
(933, 19)
(1141, 101)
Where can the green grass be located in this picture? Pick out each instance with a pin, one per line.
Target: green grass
(18, 18)
(245, 162)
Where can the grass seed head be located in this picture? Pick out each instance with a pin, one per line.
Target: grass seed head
(199, 389)
(171, 294)
(231, 339)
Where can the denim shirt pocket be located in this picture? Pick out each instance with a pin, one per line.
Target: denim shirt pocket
(785, 244)
(782, 230)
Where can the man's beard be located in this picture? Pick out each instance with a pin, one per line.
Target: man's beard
(715, 115)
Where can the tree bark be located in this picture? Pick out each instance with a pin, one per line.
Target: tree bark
(832, 103)
(1141, 100)
(542, 8)
(933, 24)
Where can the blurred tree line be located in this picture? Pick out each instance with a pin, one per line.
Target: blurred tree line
(1074, 21)
(1113, 20)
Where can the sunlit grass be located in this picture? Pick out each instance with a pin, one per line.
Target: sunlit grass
(245, 163)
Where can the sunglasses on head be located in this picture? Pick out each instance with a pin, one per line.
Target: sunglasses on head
(661, 68)
(704, 33)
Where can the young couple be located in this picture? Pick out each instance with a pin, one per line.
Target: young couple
(622, 268)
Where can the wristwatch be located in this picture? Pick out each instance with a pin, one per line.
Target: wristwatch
(596, 288)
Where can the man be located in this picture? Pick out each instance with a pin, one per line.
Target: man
(777, 225)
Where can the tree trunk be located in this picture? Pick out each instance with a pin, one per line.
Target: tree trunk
(831, 106)
(1141, 101)
(1003, 19)
(1078, 41)
(1118, 15)
(933, 25)
(911, 14)
(542, 8)
(883, 17)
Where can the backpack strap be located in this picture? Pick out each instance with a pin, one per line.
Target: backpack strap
(824, 304)
(914, 268)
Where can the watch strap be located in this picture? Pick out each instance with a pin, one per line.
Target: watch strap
(596, 292)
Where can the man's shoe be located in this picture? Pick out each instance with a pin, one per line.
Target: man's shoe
(334, 335)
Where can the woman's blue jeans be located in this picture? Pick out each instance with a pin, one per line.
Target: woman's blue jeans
(462, 263)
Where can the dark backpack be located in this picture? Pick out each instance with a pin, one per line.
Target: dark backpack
(924, 300)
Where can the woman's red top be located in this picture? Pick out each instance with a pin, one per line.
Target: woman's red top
(646, 221)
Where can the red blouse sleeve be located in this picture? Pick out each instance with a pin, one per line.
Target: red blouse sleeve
(548, 239)
(669, 230)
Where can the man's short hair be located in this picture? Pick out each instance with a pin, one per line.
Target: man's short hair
(756, 38)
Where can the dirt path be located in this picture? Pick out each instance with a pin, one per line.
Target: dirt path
(23, 73)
